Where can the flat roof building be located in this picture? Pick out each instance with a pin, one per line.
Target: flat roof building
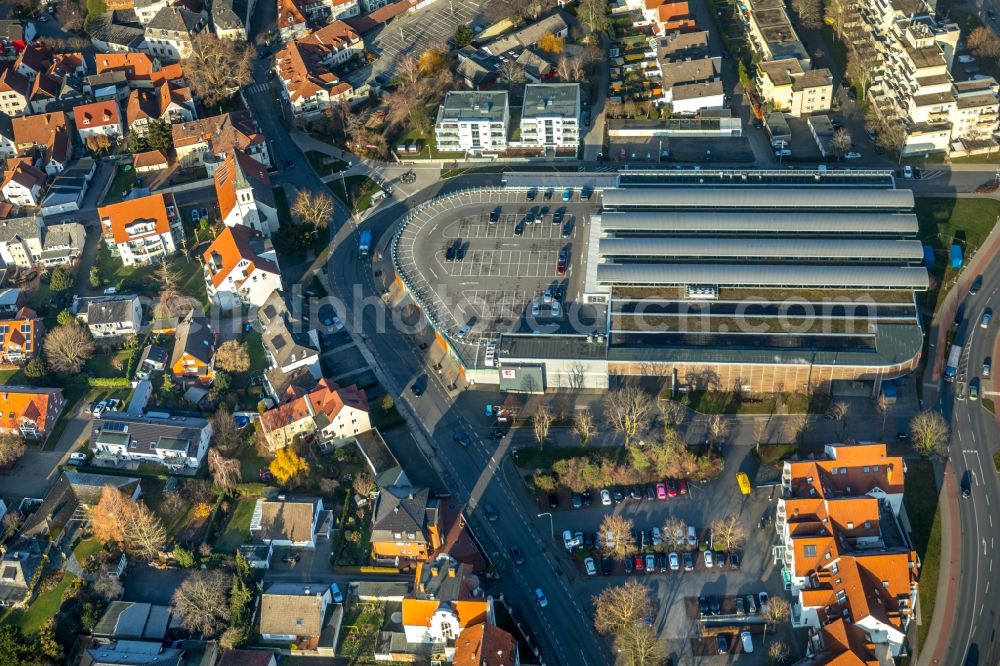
(473, 122)
(550, 115)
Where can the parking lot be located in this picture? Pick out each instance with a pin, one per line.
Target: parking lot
(679, 622)
(497, 260)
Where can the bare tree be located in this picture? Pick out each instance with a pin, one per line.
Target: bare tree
(718, 429)
(839, 412)
(225, 471)
(313, 207)
(364, 484)
(11, 523)
(67, 347)
(232, 356)
(144, 533)
(778, 652)
(616, 536)
(217, 67)
(627, 410)
(840, 143)
(929, 434)
(728, 533)
(808, 12)
(225, 435)
(674, 532)
(12, 447)
(638, 645)
(618, 607)
(795, 426)
(673, 412)
(541, 423)
(583, 425)
(511, 72)
(983, 43)
(570, 68)
(760, 432)
(776, 611)
(593, 14)
(200, 602)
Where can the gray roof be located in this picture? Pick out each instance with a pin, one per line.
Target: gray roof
(111, 310)
(689, 71)
(133, 621)
(193, 337)
(771, 275)
(402, 509)
(777, 248)
(514, 346)
(11, 29)
(684, 44)
(73, 491)
(797, 224)
(229, 14)
(175, 19)
(20, 227)
(385, 468)
(60, 236)
(135, 653)
(543, 100)
(473, 105)
(103, 29)
(760, 197)
(150, 433)
(696, 90)
(528, 35)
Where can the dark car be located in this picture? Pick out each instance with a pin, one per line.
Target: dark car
(559, 294)
(498, 434)
(567, 229)
(734, 560)
(651, 492)
(417, 389)
(491, 514)
(460, 252)
(628, 565)
(902, 436)
(606, 566)
(721, 644)
(463, 438)
(618, 495)
(548, 194)
(557, 217)
(516, 555)
(713, 604)
(682, 486)
(967, 484)
(532, 194)
(494, 216)
(977, 284)
(635, 492)
(661, 562)
(739, 606)
(519, 229)
(577, 501)
(721, 559)
(449, 253)
(688, 562)
(586, 497)
(703, 605)
(553, 501)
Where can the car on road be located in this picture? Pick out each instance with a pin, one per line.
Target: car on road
(417, 388)
(709, 560)
(688, 562)
(987, 366)
(967, 484)
(721, 644)
(336, 594)
(852, 155)
(590, 566)
(497, 434)
(747, 641)
(713, 604)
(762, 601)
(739, 604)
(605, 497)
(986, 319)
(462, 438)
(977, 284)
(540, 596)
(491, 514)
(516, 555)
(661, 491)
(974, 389)
(675, 562)
(651, 563)
(77, 458)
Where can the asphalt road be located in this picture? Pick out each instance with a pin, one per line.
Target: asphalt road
(977, 610)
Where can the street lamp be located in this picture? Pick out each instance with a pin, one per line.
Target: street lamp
(552, 529)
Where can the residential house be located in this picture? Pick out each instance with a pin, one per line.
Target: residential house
(845, 551)
(141, 230)
(793, 90)
(111, 316)
(63, 243)
(45, 139)
(307, 82)
(327, 412)
(486, 645)
(134, 653)
(21, 240)
(975, 118)
(29, 411)
(22, 184)
(139, 69)
(14, 30)
(20, 337)
(230, 18)
(130, 620)
(529, 34)
(68, 506)
(66, 192)
(150, 160)
(169, 103)
(194, 350)
(677, 75)
(338, 42)
(385, 468)
(245, 195)
(407, 524)
(99, 119)
(107, 86)
(248, 658)
(295, 613)
(169, 33)
(291, 20)
(290, 522)
(8, 146)
(60, 86)
(17, 571)
(15, 89)
(147, 10)
(172, 441)
(109, 36)
(473, 122)
(771, 34)
(286, 346)
(209, 141)
(550, 116)
(446, 602)
(240, 267)
(152, 360)
(667, 17)
(11, 300)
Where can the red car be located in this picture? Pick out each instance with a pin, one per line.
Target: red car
(671, 488)
(637, 561)
(682, 486)
(561, 267)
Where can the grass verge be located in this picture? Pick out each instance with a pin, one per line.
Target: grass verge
(534, 458)
(925, 521)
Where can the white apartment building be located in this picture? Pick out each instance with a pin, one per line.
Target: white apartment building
(473, 122)
(550, 116)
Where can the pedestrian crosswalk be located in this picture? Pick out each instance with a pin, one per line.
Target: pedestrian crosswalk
(262, 87)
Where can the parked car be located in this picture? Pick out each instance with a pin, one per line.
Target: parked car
(494, 216)
(974, 389)
(463, 438)
(721, 644)
(661, 491)
(675, 562)
(734, 560)
(586, 497)
(977, 284)
(709, 560)
(638, 563)
(77, 458)
(650, 492)
(966, 59)
(569, 540)
(739, 604)
(762, 601)
(692, 536)
(987, 318)
(590, 566)
(605, 497)
(657, 540)
(338, 596)
(688, 562)
(682, 486)
(618, 495)
(651, 563)
(671, 488)
(751, 604)
(907, 171)
(852, 155)
(721, 559)
(713, 603)
(577, 501)
(747, 641)
(606, 566)
(628, 565)
(987, 366)
(553, 501)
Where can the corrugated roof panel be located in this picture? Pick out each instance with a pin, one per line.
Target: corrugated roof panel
(759, 197)
(691, 246)
(764, 223)
(770, 275)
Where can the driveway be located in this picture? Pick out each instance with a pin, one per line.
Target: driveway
(312, 567)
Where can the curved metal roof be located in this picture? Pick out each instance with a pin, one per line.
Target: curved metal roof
(710, 197)
(690, 246)
(770, 275)
(752, 222)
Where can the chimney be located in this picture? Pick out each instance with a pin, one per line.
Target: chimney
(435, 570)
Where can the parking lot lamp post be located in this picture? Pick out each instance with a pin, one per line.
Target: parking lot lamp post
(552, 529)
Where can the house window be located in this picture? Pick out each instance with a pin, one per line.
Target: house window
(411, 536)
(841, 597)
(809, 551)
(875, 468)
(868, 524)
(867, 469)
(397, 535)
(835, 569)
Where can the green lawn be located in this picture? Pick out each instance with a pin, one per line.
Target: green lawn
(86, 548)
(255, 347)
(238, 528)
(768, 454)
(122, 184)
(281, 201)
(945, 221)
(533, 458)
(143, 279)
(324, 164)
(359, 192)
(925, 519)
(44, 607)
(385, 419)
(251, 464)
